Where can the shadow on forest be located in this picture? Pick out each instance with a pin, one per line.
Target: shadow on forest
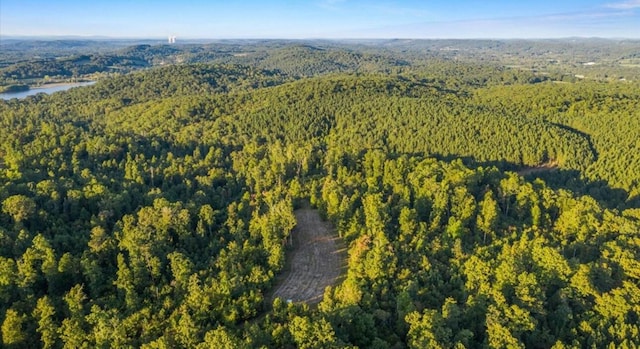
(558, 178)
(584, 135)
(555, 178)
(600, 190)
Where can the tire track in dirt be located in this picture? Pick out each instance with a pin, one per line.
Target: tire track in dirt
(315, 260)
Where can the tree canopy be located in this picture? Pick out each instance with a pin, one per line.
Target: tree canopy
(480, 206)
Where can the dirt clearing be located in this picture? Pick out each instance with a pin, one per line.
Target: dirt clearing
(546, 167)
(314, 261)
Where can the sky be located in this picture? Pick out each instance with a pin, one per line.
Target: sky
(331, 19)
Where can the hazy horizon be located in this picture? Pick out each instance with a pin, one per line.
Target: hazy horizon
(180, 40)
(322, 19)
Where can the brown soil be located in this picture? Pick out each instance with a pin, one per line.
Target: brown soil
(547, 166)
(316, 257)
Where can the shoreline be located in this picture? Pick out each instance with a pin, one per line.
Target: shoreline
(47, 88)
(60, 84)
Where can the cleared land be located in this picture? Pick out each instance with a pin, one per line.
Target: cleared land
(547, 166)
(315, 259)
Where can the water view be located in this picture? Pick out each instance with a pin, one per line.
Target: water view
(47, 90)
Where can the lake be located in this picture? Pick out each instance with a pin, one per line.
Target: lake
(47, 90)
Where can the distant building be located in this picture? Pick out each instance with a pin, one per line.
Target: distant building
(172, 39)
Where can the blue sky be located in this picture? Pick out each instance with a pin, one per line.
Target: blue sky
(322, 18)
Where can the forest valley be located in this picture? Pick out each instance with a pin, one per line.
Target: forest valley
(152, 208)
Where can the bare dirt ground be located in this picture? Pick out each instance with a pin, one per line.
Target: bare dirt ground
(547, 166)
(315, 261)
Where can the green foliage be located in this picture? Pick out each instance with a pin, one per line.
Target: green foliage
(607, 114)
(19, 207)
(153, 209)
(13, 330)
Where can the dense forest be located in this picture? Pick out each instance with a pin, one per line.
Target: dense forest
(35, 62)
(481, 205)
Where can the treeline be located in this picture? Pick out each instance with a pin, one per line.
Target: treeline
(541, 60)
(608, 114)
(446, 256)
(151, 210)
(295, 60)
(74, 66)
(113, 234)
